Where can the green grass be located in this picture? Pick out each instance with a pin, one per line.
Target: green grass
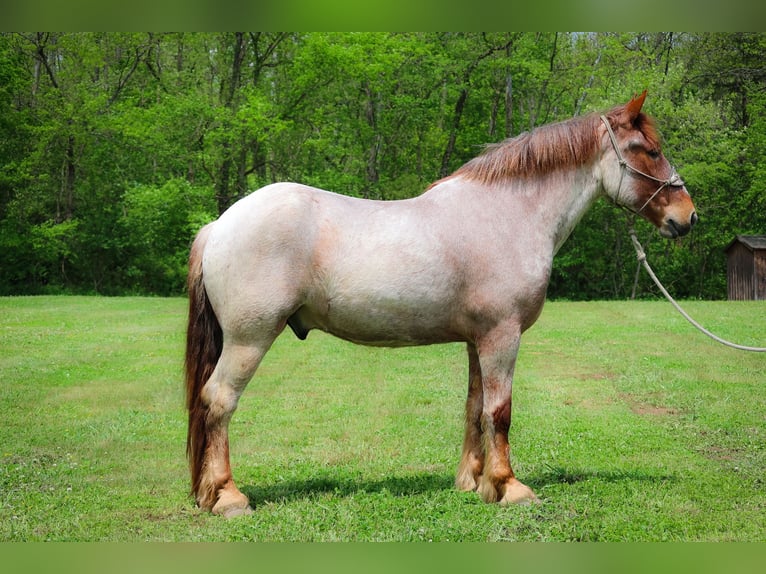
(628, 424)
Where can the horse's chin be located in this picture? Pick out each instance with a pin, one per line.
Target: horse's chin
(668, 232)
(670, 229)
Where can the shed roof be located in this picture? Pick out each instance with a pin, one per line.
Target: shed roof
(752, 242)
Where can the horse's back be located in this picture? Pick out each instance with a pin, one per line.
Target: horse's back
(368, 271)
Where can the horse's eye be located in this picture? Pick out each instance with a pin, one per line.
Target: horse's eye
(653, 153)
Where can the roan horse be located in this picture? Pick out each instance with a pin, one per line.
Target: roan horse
(467, 261)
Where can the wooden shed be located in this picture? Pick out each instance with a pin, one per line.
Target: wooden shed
(746, 267)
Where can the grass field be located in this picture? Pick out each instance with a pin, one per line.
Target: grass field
(628, 424)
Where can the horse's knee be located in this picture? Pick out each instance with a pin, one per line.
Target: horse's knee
(233, 372)
(496, 422)
(221, 400)
(501, 417)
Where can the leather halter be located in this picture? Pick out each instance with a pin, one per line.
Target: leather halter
(673, 181)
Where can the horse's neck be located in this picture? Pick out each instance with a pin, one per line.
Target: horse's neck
(569, 198)
(546, 207)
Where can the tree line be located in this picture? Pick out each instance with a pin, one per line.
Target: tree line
(115, 148)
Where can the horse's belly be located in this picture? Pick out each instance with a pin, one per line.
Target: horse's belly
(377, 323)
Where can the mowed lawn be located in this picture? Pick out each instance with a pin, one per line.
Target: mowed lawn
(628, 423)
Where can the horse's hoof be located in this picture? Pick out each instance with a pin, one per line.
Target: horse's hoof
(232, 503)
(518, 493)
(234, 511)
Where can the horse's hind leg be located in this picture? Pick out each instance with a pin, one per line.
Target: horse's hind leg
(472, 459)
(220, 395)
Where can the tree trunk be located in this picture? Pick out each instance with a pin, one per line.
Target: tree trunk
(229, 89)
(371, 116)
(222, 184)
(509, 105)
(449, 150)
(66, 202)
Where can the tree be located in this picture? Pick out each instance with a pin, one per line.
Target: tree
(113, 146)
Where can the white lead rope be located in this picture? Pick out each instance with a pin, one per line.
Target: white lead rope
(642, 258)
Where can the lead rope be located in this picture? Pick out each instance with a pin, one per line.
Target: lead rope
(642, 259)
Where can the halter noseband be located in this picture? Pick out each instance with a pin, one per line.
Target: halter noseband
(673, 181)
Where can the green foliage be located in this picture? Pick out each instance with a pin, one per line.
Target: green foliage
(157, 225)
(97, 128)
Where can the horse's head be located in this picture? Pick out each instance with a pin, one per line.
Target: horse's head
(636, 174)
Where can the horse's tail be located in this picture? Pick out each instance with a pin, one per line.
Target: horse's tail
(204, 342)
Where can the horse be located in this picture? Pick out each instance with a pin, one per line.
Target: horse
(466, 261)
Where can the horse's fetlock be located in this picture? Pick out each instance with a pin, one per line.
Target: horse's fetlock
(487, 489)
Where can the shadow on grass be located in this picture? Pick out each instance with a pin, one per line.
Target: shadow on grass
(422, 483)
(560, 475)
(407, 485)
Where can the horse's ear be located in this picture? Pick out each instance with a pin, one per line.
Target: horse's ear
(633, 107)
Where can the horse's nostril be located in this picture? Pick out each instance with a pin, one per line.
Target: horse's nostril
(694, 218)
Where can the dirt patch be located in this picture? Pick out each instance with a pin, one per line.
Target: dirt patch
(586, 396)
(600, 376)
(588, 404)
(646, 406)
(718, 453)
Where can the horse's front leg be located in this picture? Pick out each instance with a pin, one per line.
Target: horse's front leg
(497, 358)
(472, 459)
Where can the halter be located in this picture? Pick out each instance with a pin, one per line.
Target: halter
(673, 181)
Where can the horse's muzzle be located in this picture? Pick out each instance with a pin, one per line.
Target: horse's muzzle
(672, 228)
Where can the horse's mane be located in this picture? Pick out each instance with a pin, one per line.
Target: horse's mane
(548, 148)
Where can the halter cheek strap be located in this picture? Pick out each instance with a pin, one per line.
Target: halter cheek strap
(673, 181)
